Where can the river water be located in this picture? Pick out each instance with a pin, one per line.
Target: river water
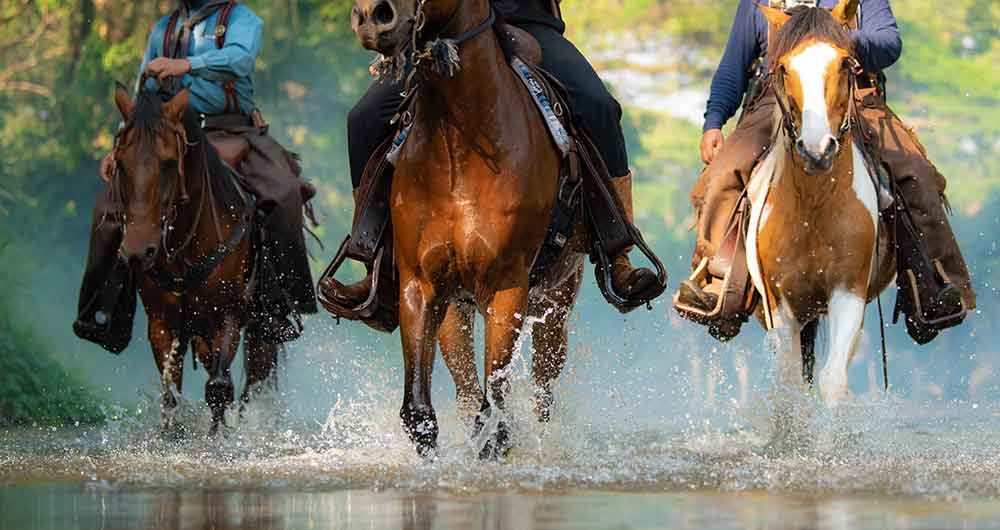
(878, 461)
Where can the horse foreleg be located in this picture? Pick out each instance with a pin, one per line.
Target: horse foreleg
(458, 350)
(808, 347)
(550, 340)
(219, 390)
(261, 364)
(504, 320)
(420, 316)
(846, 317)
(169, 350)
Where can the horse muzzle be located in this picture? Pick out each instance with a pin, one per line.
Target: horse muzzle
(818, 160)
(377, 25)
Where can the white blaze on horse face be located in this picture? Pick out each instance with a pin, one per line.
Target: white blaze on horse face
(811, 65)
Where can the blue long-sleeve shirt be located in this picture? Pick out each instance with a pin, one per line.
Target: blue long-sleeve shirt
(877, 46)
(212, 66)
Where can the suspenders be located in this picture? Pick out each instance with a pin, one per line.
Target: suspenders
(176, 44)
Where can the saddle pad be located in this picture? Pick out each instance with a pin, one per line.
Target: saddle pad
(556, 129)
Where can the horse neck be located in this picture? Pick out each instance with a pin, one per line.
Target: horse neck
(812, 193)
(480, 84)
(201, 197)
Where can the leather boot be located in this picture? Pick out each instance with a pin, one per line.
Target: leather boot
(925, 292)
(354, 294)
(628, 281)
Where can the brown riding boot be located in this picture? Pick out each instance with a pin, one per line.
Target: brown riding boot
(628, 281)
(351, 295)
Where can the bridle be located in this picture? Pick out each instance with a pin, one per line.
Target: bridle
(437, 53)
(195, 272)
(776, 81)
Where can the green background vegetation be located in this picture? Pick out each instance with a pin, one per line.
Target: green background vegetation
(59, 60)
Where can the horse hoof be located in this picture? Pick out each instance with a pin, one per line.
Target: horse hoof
(497, 445)
(422, 428)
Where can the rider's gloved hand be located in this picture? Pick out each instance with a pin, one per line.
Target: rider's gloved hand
(711, 142)
(163, 67)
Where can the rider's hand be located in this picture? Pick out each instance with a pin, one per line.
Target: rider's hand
(711, 142)
(107, 167)
(163, 67)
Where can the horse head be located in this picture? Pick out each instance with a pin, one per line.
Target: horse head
(390, 26)
(812, 65)
(149, 154)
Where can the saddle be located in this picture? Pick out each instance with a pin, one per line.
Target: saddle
(584, 194)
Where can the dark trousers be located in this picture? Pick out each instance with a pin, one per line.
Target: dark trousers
(594, 109)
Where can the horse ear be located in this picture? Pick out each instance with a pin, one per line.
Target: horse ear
(846, 11)
(775, 17)
(173, 110)
(123, 100)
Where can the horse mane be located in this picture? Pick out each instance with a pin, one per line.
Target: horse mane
(809, 23)
(502, 8)
(148, 122)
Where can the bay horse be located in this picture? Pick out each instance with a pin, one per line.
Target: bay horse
(472, 196)
(187, 237)
(816, 245)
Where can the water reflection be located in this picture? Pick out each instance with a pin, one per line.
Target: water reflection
(70, 507)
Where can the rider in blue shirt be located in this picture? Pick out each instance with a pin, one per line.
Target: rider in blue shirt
(215, 61)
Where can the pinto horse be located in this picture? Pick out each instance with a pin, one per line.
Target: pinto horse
(815, 245)
(187, 237)
(472, 195)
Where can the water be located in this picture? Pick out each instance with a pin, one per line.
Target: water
(653, 428)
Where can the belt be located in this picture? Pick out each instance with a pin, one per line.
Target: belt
(225, 121)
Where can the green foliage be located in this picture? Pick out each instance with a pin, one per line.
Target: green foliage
(34, 389)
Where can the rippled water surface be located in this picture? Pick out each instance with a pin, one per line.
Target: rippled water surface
(635, 441)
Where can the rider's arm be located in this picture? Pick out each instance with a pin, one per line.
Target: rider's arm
(730, 81)
(877, 43)
(239, 54)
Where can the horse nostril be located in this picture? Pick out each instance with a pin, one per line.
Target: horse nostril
(384, 13)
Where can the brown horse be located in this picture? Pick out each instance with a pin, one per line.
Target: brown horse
(472, 196)
(816, 245)
(187, 227)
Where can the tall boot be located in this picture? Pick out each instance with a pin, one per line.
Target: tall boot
(925, 292)
(351, 295)
(628, 281)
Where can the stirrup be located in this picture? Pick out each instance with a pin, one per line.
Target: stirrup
(922, 325)
(732, 307)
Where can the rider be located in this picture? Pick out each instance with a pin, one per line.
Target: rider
(215, 61)
(594, 109)
(940, 282)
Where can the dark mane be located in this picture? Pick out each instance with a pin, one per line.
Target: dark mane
(146, 117)
(502, 9)
(806, 23)
(147, 121)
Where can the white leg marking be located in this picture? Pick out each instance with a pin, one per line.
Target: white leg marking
(846, 316)
(811, 64)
